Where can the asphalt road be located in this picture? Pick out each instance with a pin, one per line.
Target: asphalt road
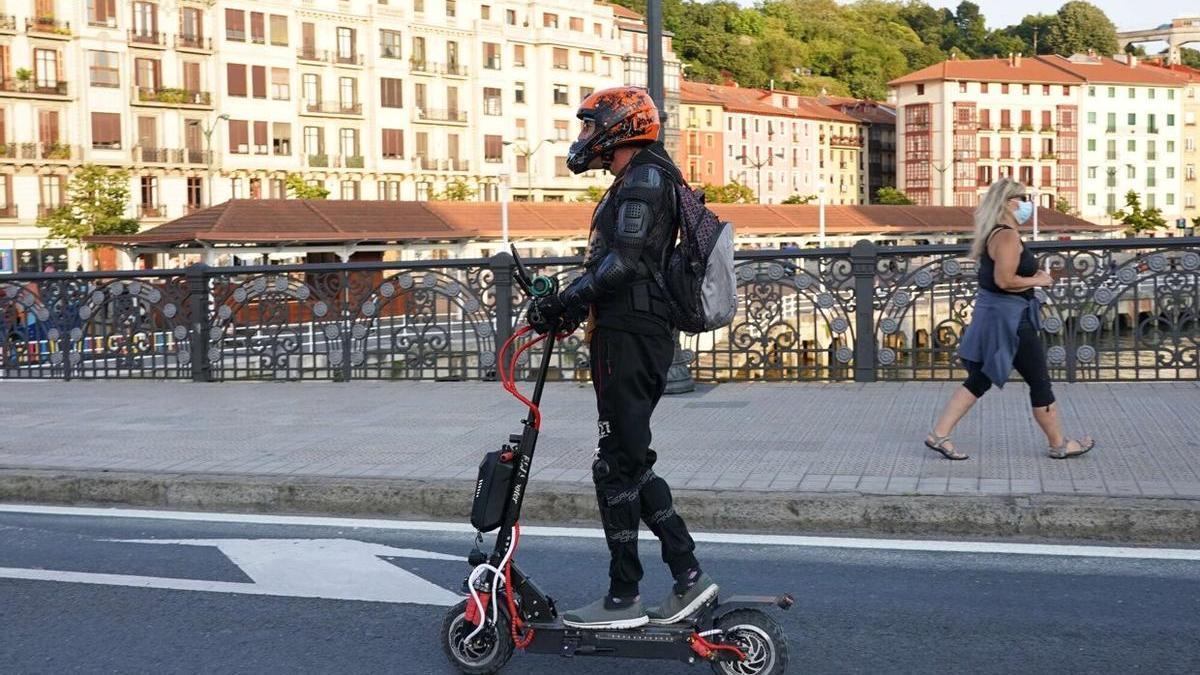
(857, 611)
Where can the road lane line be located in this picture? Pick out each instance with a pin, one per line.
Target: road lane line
(1087, 551)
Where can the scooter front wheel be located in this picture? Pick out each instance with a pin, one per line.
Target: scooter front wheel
(484, 654)
(760, 638)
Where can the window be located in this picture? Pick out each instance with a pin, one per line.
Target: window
(1112, 122)
(389, 190)
(235, 79)
(983, 87)
(962, 89)
(191, 22)
(1132, 121)
(485, 12)
(491, 56)
(1152, 93)
(920, 90)
(561, 57)
(1170, 146)
(389, 44)
(585, 92)
(281, 84)
(347, 92)
(102, 13)
(239, 137)
(1092, 92)
(258, 28)
(491, 101)
(560, 94)
(345, 45)
(519, 92)
(311, 88)
(1091, 199)
(1091, 172)
(145, 22)
(348, 142)
(561, 129)
(314, 141)
(510, 17)
(393, 143)
(451, 7)
(493, 149)
(261, 144)
(195, 193)
(606, 66)
(235, 25)
(350, 189)
(519, 56)
(1045, 90)
(598, 29)
(105, 69)
(149, 193)
(279, 30)
(587, 62)
(1091, 118)
(1112, 92)
(1131, 146)
(560, 167)
(106, 130)
(1170, 120)
(549, 20)
(1024, 90)
(390, 92)
(521, 134)
(147, 74)
(45, 66)
(258, 81)
(281, 138)
(576, 24)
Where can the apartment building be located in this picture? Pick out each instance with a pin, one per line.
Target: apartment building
(208, 100)
(699, 153)
(877, 162)
(1190, 158)
(1083, 130)
(839, 146)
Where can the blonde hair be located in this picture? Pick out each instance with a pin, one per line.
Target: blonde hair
(987, 214)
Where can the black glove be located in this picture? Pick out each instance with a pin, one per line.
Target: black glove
(544, 313)
(573, 318)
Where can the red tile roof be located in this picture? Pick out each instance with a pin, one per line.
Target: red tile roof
(1103, 70)
(622, 12)
(757, 101)
(283, 222)
(1042, 70)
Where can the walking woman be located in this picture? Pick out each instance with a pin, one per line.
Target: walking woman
(1003, 333)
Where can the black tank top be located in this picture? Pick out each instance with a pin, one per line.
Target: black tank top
(1026, 267)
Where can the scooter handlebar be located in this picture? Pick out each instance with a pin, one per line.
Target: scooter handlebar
(538, 286)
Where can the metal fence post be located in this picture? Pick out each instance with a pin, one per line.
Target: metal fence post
(198, 301)
(501, 265)
(863, 259)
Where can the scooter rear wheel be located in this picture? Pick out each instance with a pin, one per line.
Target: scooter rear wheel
(760, 637)
(486, 653)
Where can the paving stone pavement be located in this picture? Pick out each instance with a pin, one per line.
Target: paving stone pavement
(770, 437)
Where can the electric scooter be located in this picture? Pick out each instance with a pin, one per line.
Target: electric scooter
(505, 610)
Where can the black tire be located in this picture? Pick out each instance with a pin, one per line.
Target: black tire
(489, 651)
(760, 637)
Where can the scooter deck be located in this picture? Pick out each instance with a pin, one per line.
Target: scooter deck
(646, 642)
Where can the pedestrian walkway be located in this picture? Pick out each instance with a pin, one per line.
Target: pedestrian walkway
(751, 437)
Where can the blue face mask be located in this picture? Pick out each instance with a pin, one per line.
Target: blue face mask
(1024, 212)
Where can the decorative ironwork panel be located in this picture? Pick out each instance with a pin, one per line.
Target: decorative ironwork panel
(795, 321)
(134, 328)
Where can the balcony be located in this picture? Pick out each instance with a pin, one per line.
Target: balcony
(8, 211)
(1026, 129)
(423, 67)
(8, 24)
(312, 55)
(1110, 130)
(175, 98)
(1151, 156)
(351, 161)
(151, 40)
(45, 210)
(437, 115)
(1049, 156)
(152, 211)
(193, 43)
(46, 26)
(1112, 156)
(428, 163)
(1047, 130)
(338, 59)
(33, 89)
(192, 156)
(336, 108)
(47, 152)
(455, 164)
(1152, 130)
(319, 161)
(142, 155)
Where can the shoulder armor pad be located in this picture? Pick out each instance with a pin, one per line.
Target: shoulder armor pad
(645, 176)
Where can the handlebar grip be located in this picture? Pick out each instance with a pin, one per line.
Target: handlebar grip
(543, 286)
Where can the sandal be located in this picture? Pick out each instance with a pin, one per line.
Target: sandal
(1061, 451)
(938, 444)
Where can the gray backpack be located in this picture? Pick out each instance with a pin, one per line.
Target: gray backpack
(698, 276)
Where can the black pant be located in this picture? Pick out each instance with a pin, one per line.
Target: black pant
(1029, 361)
(629, 374)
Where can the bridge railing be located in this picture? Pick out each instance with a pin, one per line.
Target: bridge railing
(1119, 310)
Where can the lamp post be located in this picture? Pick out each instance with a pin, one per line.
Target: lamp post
(208, 154)
(528, 154)
(758, 164)
(941, 169)
(504, 211)
(821, 214)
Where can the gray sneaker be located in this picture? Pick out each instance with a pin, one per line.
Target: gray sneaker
(678, 607)
(604, 614)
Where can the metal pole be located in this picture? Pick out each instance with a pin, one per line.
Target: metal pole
(1036, 205)
(209, 162)
(504, 212)
(821, 214)
(528, 175)
(654, 71)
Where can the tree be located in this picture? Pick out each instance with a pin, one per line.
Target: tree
(97, 197)
(1062, 206)
(1136, 218)
(1190, 57)
(730, 193)
(892, 197)
(797, 199)
(1034, 27)
(457, 190)
(594, 194)
(299, 189)
(1080, 26)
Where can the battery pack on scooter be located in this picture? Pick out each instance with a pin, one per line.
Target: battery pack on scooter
(492, 489)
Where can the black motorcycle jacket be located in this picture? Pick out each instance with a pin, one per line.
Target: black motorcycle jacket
(633, 227)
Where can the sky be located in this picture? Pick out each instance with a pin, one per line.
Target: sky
(1127, 14)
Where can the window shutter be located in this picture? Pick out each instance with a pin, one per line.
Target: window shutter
(236, 78)
(259, 81)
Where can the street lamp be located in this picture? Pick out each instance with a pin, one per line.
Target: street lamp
(504, 177)
(941, 169)
(821, 214)
(208, 154)
(758, 164)
(528, 155)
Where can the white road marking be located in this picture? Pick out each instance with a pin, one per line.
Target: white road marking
(332, 569)
(1086, 551)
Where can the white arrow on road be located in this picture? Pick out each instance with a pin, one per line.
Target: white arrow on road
(335, 569)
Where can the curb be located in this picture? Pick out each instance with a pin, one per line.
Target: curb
(1125, 519)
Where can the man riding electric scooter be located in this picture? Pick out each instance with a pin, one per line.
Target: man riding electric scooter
(630, 336)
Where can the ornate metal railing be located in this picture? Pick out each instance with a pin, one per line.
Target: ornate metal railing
(1120, 310)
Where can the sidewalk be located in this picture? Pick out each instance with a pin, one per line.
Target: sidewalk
(775, 446)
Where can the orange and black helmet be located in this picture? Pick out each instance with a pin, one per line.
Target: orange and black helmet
(621, 116)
